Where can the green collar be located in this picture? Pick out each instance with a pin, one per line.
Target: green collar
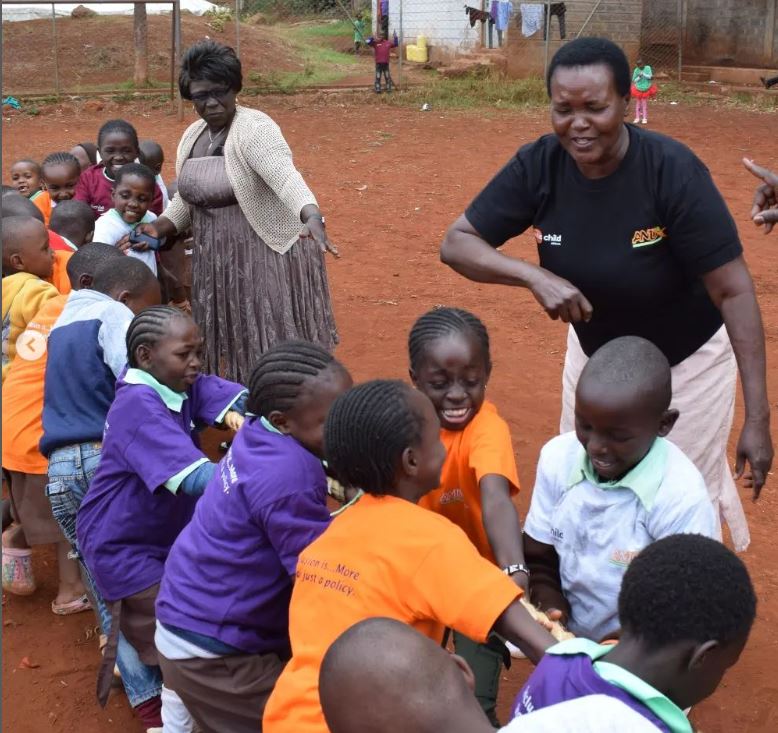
(660, 705)
(643, 480)
(173, 400)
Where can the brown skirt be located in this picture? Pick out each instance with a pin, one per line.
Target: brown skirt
(31, 508)
(246, 297)
(227, 693)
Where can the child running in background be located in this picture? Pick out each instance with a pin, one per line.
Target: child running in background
(686, 608)
(153, 157)
(26, 178)
(22, 431)
(60, 173)
(450, 362)
(643, 89)
(150, 474)
(132, 194)
(222, 645)
(384, 555)
(382, 48)
(117, 143)
(27, 262)
(609, 489)
(74, 222)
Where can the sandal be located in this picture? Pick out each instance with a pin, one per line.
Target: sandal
(77, 605)
(17, 571)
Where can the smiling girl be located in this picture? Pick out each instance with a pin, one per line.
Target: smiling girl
(117, 143)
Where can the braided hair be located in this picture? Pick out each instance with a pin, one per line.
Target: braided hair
(148, 328)
(441, 322)
(122, 126)
(279, 376)
(366, 432)
(60, 158)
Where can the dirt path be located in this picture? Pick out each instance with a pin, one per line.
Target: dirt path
(390, 181)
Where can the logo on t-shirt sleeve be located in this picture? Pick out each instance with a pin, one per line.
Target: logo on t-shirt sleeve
(647, 237)
(554, 239)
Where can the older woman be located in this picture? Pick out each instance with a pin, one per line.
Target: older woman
(258, 273)
(633, 238)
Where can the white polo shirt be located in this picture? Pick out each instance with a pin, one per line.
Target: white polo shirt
(597, 527)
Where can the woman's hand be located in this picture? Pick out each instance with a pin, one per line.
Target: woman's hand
(764, 212)
(560, 298)
(754, 446)
(124, 244)
(314, 228)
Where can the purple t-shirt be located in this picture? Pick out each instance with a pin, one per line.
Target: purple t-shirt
(228, 575)
(128, 519)
(561, 677)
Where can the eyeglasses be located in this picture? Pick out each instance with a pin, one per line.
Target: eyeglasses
(219, 94)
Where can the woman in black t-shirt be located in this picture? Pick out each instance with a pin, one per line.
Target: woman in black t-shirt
(633, 239)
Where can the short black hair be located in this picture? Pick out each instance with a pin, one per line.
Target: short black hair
(8, 189)
(592, 51)
(278, 378)
(72, 217)
(127, 273)
(88, 258)
(15, 229)
(366, 432)
(149, 327)
(29, 161)
(440, 322)
(687, 587)
(14, 204)
(136, 169)
(209, 60)
(121, 126)
(151, 148)
(60, 158)
(633, 361)
(90, 149)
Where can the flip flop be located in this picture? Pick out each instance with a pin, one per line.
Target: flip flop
(77, 605)
(17, 571)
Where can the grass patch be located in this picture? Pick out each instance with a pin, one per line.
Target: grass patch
(333, 29)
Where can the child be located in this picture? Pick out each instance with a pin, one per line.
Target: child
(87, 352)
(382, 48)
(27, 262)
(60, 173)
(85, 154)
(132, 194)
(643, 89)
(152, 156)
(686, 608)
(386, 556)
(359, 34)
(117, 143)
(74, 222)
(26, 178)
(451, 364)
(22, 431)
(609, 489)
(151, 471)
(264, 506)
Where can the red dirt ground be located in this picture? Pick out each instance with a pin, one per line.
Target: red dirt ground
(390, 180)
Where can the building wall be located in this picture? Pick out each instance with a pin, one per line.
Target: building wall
(719, 32)
(443, 22)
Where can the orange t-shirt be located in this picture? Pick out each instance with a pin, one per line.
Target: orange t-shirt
(484, 447)
(23, 399)
(43, 202)
(383, 556)
(59, 276)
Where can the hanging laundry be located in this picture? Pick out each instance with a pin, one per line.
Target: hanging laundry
(475, 15)
(503, 15)
(531, 18)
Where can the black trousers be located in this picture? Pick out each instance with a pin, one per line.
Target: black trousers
(383, 70)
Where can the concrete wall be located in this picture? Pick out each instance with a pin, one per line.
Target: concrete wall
(443, 22)
(619, 20)
(718, 32)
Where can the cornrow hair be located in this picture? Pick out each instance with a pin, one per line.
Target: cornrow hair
(278, 378)
(136, 169)
(121, 126)
(60, 158)
(440, 322)
(148, 328)
(367, 430)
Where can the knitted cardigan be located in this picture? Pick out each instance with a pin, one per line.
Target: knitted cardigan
(269, 189)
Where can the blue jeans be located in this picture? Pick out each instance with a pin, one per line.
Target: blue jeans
(71, 470)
